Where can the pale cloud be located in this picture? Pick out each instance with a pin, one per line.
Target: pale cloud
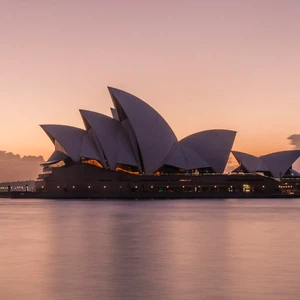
(13, 167)
(295, 141)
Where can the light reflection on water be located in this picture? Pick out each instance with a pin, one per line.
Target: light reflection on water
(170, 249)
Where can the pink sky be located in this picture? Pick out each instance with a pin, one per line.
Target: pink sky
(201, 64)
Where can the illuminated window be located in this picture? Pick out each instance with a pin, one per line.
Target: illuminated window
(123, 169)
(246, 188)
(92, 162)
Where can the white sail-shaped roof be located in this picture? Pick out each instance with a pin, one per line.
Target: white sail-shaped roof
(125, 154)
(74, 142)
(133, 142)
(70, 138)
(280, 162)
(137, 135)
(248, 161)
(261, 166)
(277, 163)
(59, 147)
(154, 136)
(55, 157)
(193, 159)
(213, 146)
(176, 158)
(114, 114)
(111, 136)
(185, 158)
(89, 148)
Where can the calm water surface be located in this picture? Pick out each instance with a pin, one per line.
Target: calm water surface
(180, 249)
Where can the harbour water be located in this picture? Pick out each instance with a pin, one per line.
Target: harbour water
(171, 249)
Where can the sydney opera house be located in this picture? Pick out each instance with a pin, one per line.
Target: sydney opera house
(136, 154)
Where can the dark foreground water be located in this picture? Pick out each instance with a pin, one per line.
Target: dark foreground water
(180, 249)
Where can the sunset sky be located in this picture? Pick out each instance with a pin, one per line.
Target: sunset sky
(201, 64)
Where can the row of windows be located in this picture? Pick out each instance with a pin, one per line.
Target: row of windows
(167, 188)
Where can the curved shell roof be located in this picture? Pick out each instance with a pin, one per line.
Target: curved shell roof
(89, 148)
(114, 114)
(71, 140)
(193, 159)
(279, 162)
(185, 158)
(154, 136)
(248, 161)
(111, 135)
(176, 158)
(213, 146)
(137, 135)
(261, 167)
(56, 156)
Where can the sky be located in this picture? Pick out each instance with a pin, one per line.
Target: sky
(201, 64)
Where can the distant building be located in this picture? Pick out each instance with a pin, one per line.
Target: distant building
(21, 186)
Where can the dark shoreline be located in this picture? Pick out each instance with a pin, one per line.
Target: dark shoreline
(146, 195)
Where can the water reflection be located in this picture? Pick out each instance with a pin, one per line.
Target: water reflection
(238, 249)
